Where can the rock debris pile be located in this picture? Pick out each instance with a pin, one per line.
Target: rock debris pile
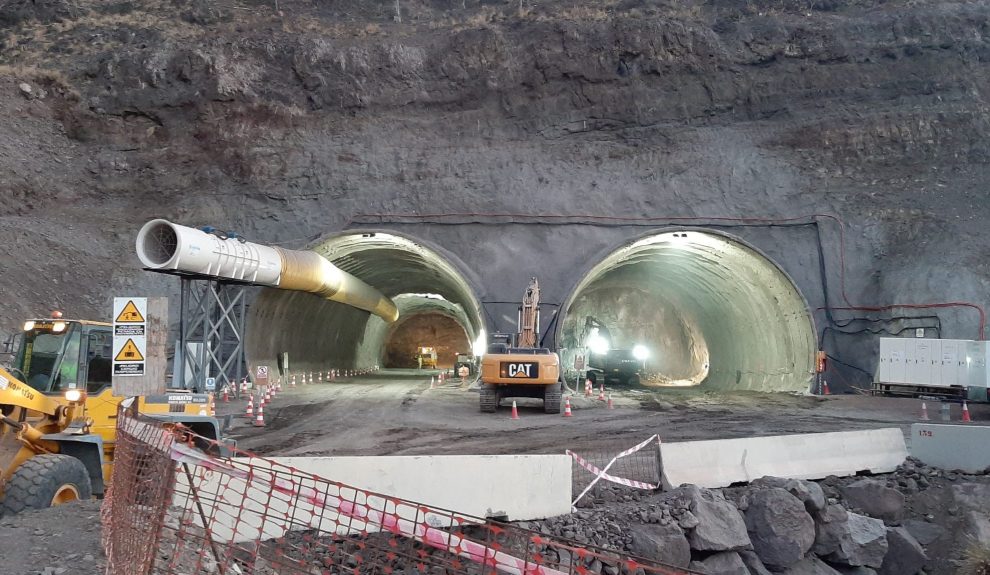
(883, 525)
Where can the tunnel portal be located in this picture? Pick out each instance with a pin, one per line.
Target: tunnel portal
(428, 290)
(708, 309)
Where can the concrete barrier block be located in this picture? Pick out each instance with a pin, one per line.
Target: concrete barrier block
(965, 447)
(722, 462)
(519, 487)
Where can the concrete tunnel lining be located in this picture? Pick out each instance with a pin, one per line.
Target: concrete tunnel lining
(713, 310)
(320, 334)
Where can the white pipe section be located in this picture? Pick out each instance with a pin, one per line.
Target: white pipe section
(163, 245)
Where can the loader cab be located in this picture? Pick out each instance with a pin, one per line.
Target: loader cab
(55, 355)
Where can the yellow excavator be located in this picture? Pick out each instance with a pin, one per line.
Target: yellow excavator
(58, 414)
(523, 370)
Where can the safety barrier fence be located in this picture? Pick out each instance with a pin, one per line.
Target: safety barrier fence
(595, 472)
(173, 509)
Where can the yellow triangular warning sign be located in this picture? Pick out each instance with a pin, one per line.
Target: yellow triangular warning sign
(129, 352)
(130, 314)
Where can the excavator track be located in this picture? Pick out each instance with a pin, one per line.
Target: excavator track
(551, 398)
(488, 399)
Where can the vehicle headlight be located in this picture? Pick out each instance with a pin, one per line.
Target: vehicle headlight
(28, 325)
(58, 327)
(641, 352)
(73, 395)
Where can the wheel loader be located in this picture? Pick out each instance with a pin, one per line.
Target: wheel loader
(58, 414)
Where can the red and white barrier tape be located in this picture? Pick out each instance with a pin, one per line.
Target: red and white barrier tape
(627, 482)
(390, 522)
(603, 473)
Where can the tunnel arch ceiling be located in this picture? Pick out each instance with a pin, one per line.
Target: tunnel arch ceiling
(320, 334)
(711, 310)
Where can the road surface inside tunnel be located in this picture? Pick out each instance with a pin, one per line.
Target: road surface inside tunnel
(394, 412)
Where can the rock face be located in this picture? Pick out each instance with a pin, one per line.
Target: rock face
(779, 527)
(662, 543)
(905, 556)
(875, 499)
(340, 112)
(725, 563)
(856, 540)
(720, 525)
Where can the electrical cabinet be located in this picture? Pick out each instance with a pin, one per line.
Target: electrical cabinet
(934, 362)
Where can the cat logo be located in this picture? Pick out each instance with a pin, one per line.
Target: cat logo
(520, 370)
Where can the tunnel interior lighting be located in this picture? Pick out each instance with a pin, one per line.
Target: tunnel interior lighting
(597, 342)
(691, 299)
(480, 345)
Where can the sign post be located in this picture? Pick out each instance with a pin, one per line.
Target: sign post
(140, 327)
(261, 376)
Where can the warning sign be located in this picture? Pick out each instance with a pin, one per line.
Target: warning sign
(130, 314)
(130, 341)
(129, 352)
(140, 334)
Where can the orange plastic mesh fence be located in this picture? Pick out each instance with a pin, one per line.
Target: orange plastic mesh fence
(174, 510)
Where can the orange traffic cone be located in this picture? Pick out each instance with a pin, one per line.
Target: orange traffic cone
(965, 413)
(825, 390)
(226, 396)
(610, 404)
(924, 411)
(601, 393)
(259, 420)
(515, 411)
(250, 406)
(567, 407)
(587, 388)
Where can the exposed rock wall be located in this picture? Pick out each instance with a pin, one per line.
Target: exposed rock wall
(284, 125)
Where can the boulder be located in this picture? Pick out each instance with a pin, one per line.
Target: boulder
(811, 565)
(874, 499)
(859, 540)
(725, 563)
(661, 543)
(828, 529)
(779, 527)
(973, 500)
(859, 570)
(905, 556)
(753, 563)
(720, 525)
(924, 532)
(809, 492)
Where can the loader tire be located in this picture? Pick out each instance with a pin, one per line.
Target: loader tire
(45, 481)
(488, 399)
(551, 398)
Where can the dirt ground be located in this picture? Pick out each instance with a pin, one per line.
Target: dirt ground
(396, 413)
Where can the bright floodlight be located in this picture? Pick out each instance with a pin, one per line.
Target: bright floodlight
(480, 344)
(596, 343)
(640, 352)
